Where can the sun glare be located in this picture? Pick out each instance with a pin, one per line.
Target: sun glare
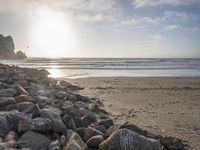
(52, 34)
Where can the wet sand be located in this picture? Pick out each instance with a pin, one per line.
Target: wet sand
(162, 105)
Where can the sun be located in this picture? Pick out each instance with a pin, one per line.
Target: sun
(52, 33)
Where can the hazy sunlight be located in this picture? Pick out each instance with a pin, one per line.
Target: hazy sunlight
(52, 33)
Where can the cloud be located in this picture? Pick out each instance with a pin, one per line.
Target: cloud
(157, 37)
(143, 3)
(172, 27)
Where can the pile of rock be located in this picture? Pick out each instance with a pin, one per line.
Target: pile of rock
(41, 113)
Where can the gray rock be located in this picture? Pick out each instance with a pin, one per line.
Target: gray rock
(34, 141)
(69, 122)
(87, 133)
(74, 142)
(107, 123)
(24, 126)
(8, 92)
(25, 98)
(95, 141)
(129, 140)
(44, 93)
(5, 101)
(55, 145)
(21, 90)
(62, 141)
(80, 104)
(60, 95)
(67, 107)
(29, 107)
(11, 136)
(101, 128)
(41, 125)
(57, 124)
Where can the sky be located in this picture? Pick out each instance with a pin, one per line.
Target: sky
(103, 28)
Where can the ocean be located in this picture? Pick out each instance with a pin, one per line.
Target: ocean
(113, 67)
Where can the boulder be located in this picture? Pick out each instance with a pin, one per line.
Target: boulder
(69, 122)
(60, 95)
(67, 107)
(41, 125)
(29, 107)
(107, 123)
(88, 119)
(95, 141)
(129, 140)
(57, 124)
(172, 143)
(8, 92)
(11, 136)
(33, 140)
(74, 142)
(5, 101)
(87, 133)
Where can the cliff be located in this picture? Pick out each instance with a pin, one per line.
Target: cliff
(7, 48)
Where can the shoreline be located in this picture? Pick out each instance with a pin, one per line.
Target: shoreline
(161, 105)
(38, 112)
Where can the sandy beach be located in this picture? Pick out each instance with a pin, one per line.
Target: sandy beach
(162, 105)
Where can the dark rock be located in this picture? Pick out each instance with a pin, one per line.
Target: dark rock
(88, 119)
(41, 125)
(101, 128)
(57, 124)
(74, 142)
(95, 141)
(46, 93)
(33, 140)
(24, 126)
(107, 123)
(8, 92)
(129, 140)
(172, 143)
(62, 141)
(69, 122)
(87, 133)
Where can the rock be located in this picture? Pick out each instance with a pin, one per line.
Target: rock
(24, 98)
(5, 101)
(107, 123)
(62, 141)
(20, 55)
(21, 90)
(9, 121)
(57, 124)
(55, 145)
(8, 92)
(24, 126)
(11, 144)
(129, 140)
(6, 47)
(172, 143)
(29, 107)
(41, 125)
(80, 104)
(46, 93)
(11, 136)
(67, 107)
(33, 140)
(101, 128)
(87, 133)
(69, 122)
(60, 95)
(95, 141)
(74, 142)
(88, 119)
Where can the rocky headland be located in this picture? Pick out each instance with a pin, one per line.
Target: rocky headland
(42, 113)
(7, 48)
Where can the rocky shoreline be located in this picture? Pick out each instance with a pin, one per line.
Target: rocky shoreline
(42, 113)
